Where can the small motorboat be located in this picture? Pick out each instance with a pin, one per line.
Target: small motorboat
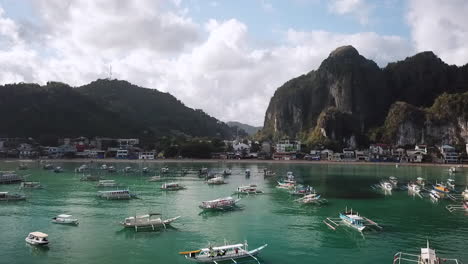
(147, 221)
(222, 253)
(30, 185)
(172, 186)
(216, 180)
(222, 204)
(37, 239)
(352, 219)
(6, 196)
(65, 219)
(248, 189)
(427, 256)
(393, 180)
(48, 166)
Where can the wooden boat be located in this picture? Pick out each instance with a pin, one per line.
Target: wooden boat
(65, 219)
(393, 180)
(353, 220)
(7, 177)
(6, 196)
(290, 178)
(219, 204)
(451, 184)
(421, 181)
(31, 185)
(172, 186)
(37, 238)
(147, 221)
(116, 195)
(287, 186)
(312, 198)
(248, 189)
(414, 188)
(90, 177)
(386, 186)
(441, 189)
(107, 183)
(427, 256)
(434, 195)
(302, 190)
(216, 180)
(104, 167)
(164, 170)
(222, 253)
(458, 207)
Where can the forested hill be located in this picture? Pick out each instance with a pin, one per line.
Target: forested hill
(101, 108)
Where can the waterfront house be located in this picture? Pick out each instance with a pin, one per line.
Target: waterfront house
(288, 146)
(362, 155)
(449, 154)
(126, 143)
(147, 155)
(349, 154)
(326, 154)
(122, 154)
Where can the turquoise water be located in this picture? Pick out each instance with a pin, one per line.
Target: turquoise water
(295, 233)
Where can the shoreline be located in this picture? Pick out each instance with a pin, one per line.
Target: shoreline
(245, 161)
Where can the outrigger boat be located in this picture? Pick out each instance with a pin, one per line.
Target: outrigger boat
(290, 178)
(164, 170)
(287, 186)
(222, 253)
(222, 204)
(465, 194)
(147, 221)
(414, 188)
(420, 181)
(312, 198)
(302, 190)
(458, 207)
(441, 189)
(145, 170)
(107, 184)
(268, 173)
(82, 168)
(6, 196)
(111, 169)
(116, 195)
(427, 256)
(37, 239)
(434, 195)
(248, 189)
(128, 169)
(451, 184)
(30, 185)
(227, 172)
(352, 219)
(47, 166)
(203, 172)
(65, 219)
(104, 167)
(386, 186)
(172, 186)
(452, 170)
(7, 177)
(216, 180)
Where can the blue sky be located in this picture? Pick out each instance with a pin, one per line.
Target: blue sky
(224, 57)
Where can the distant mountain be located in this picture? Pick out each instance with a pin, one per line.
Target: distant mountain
(247, 128)
(102, 108)
(348, 100)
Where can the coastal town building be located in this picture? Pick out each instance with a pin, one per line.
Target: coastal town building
(449, 154)
(147, 155)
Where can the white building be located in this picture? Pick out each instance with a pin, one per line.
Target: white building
(449, 154)
(288, 146)
(147, 155)
(125, 143)
(122, 154)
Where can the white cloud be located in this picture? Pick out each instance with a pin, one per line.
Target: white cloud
(440, 26)
(357, 8)
(212, 66)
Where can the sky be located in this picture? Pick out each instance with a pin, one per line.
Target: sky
(226, 57)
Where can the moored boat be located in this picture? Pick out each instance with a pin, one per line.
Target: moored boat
(441, 188)
(247, 173)
(302, 190)
(30, 185)
(145, 170)
(147, 221)
(58, 169)
(111, 169)
(393, 180)
(82, 168)
(164, 170)
(127, 169)
(90, 177)
(221, 253)
(248, 189)
(6, 196)
(427, 256)
(23, 167)
(107, 183)
(172, 186)
(421, 181)
(37, 238)
(451, 183)
(65, 219)
(116, 195)
(287, 186)
(434, 195)
(227, 172)
(414, 188)
(7, 177)
(216, 180)
(352, 219)
(219, 204)
(386, 186)
(154, 178)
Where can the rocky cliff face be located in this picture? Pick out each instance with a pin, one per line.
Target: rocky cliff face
(348, 96)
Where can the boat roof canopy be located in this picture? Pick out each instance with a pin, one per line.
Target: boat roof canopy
(39, 234)
(224, 247)
(63, 215)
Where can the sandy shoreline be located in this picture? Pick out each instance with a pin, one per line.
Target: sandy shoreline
(232, 161)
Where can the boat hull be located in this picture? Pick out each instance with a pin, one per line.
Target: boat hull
(241, 254)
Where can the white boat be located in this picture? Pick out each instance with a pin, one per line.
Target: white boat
(65, 219)
(421, 181)
(116, 195)
(216, 180)
(82, 168)
(147, 221)
(222, 253)
(58, 169)
(452, 170)
(269, 173)
(393, 180)
(465, 194)
(30, 185)
(47, 166)
(352, 219)
(386, 186)
(203, 171)
(219, 204)
(427, 256)
(172, 186)
(287, 186)
(104, 167)
(164, 170)
(7, 177)
(227, 172)
(111, 169)
(107, 183)
(6, 196)
(434, 195)
(37, 238)
(310, 198)
(451, 183)
(248, 189)
(145, 170)
(290, 178)
(128, 169)
(154, 178)
(414, 188)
